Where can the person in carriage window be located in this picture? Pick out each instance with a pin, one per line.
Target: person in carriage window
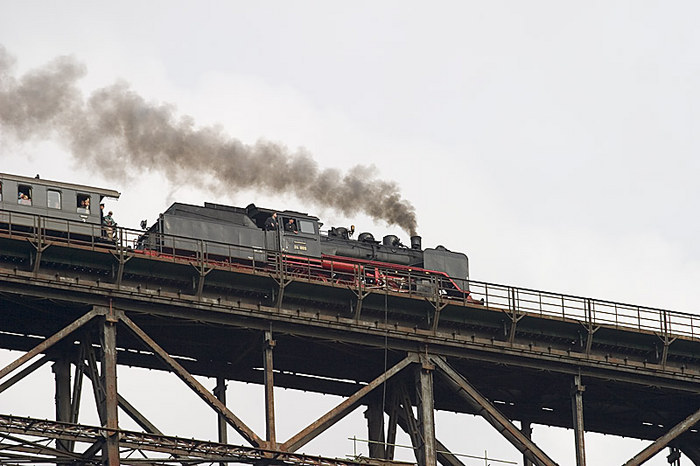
(24, 198)
(83, 204)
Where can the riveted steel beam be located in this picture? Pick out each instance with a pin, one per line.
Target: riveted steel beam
(220, 394)
(577, 390)
(23, 373)
(181, 450)
(393, 412)
(190, 381)
(526, 429)
(52, 340)
(61, 370)
(78, 381)
(97, 382)
(343, 409)
(110, 449)
(492, 415)
(426, 455)
(268, 347)
(406, 420)
(646, 454)
(136, 416)
(375, 426)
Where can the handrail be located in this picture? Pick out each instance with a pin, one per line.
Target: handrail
(588, 311)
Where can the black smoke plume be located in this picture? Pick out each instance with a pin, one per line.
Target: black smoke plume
(114, 128)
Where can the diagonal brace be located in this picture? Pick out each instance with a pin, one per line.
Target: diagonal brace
(489, 412)
(46, 344)
(343, 409)
(23, 373)
(190, 381)
(665, 439)
(137, 417)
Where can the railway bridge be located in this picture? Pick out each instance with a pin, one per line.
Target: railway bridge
(524, 357)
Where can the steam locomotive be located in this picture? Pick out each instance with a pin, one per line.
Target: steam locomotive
(239, 235)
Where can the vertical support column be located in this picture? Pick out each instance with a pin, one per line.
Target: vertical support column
(110, 449)
(220, 394)
(78, 381)
(61, 370)
(393, 423)
(674, 457)
(268, 346)
(526, 429)
(426, 454)
(577, 410)
(375, 427)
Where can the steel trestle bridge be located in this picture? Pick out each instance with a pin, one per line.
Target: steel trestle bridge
(88, 306)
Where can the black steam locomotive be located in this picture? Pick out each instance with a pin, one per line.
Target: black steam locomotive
(240, 236)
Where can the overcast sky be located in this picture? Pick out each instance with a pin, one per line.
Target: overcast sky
(553, 142)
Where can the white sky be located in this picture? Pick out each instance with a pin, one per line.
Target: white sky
(553, 142)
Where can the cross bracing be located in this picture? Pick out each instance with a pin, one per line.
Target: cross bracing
(523, 358)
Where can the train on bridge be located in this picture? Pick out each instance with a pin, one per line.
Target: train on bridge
(223, 276)
(247, 236)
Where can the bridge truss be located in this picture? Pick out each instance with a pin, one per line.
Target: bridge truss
(522, 358)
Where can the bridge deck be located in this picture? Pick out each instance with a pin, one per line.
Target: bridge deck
(640, 366)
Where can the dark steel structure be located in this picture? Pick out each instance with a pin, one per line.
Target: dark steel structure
(524, 357)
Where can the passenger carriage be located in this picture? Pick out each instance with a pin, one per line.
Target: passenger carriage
(57, 208)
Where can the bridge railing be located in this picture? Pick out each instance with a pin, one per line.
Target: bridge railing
(509, 299)
(589, 311)
(42, 228)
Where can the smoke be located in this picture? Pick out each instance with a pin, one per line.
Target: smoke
(114, 128)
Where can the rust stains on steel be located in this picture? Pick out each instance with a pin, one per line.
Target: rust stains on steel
(203, 393)
(337, 413)
(46, 344)
(185, 449)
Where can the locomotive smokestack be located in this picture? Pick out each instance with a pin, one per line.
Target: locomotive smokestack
(115, 129)
(416, 242)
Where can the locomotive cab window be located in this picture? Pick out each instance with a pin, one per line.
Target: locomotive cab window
(83, 203)
(290, 225)
(53, 199)
(307, 226)
(24, 194)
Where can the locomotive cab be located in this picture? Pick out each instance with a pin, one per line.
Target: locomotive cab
(299, 234)
(296, 232)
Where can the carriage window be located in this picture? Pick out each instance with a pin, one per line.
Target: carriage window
(83, 203)
(306, 226)
(24, 194)
(53, 199)
(0, 191)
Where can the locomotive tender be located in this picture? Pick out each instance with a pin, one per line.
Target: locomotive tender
(238, 235)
